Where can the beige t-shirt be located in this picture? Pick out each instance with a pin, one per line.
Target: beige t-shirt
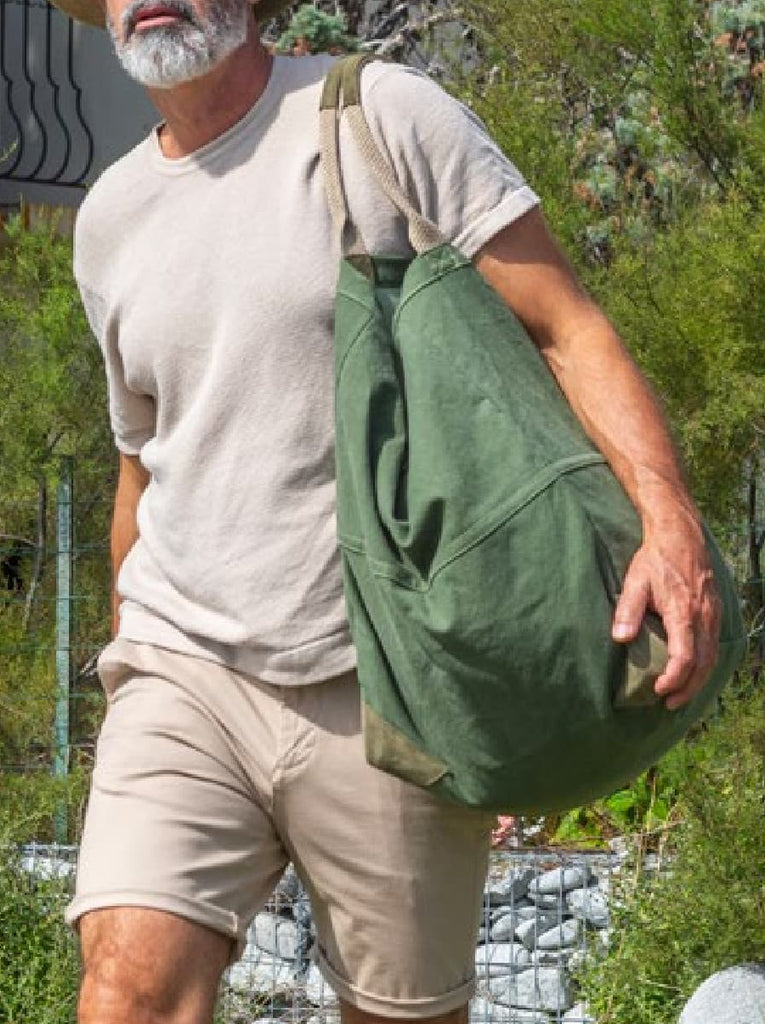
(209, 283)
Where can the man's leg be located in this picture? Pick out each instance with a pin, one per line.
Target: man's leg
(148, 967)
(395, 874)
(178, 851)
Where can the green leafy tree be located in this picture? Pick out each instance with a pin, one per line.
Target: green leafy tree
(52, 403)
(313, 30)
(638, 91)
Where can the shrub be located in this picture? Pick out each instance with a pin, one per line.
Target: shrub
(707, 911)
(38, 956)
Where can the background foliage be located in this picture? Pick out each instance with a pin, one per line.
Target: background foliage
(708, 912)
(642, 128)
(38, 957)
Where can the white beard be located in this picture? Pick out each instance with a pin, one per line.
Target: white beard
(163, 57)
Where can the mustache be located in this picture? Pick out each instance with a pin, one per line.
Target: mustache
(133, 11)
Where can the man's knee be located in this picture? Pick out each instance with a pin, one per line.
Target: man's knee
(144, 966)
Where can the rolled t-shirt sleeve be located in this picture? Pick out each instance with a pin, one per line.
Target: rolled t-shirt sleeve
(132, 414)
(444, 157)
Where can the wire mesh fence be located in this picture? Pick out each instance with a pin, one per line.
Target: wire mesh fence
(544, 913)
(54, 600)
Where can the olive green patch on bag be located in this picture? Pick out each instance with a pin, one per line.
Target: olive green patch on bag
(483, 537)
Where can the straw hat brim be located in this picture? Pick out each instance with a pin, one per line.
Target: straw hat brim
(90, 12)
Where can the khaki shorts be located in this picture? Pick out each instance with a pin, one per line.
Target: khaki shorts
(208, 782)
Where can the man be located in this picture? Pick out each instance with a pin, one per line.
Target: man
(231, 743)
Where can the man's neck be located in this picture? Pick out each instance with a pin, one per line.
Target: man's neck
(199, 111)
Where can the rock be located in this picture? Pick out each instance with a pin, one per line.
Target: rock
(263, 932)
(733, 996)
(276, 935)
(578, 1014)
(261, 974)
(287, 940)
(544, 901)
(562, 936)
(288, 886)
(485, 1011)
(504, 929)
(513, 884)
(589, 905)
(603, 940)
(46, 867)
(529, 931)
(522, 908)
(326, 1017)
(620, 846)
(501, 958)
(579, 959)
(552, 957)
(560, 880)
(317, 991)
(536, 988)
(651, 864)
(526, 912)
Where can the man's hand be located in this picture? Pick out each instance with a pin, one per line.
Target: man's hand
(671, 575)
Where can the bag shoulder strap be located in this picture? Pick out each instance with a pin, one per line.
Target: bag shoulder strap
(342, 98)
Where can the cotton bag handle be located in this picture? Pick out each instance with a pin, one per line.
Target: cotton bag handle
(342, 98)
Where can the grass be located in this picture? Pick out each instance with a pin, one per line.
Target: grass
(38, 955)
(708, 911)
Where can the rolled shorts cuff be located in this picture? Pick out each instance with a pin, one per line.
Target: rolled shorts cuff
(396, 1009)
(198, 911)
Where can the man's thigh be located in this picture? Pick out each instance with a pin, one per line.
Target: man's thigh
(141, 964)
(175, 822)
(395, 874)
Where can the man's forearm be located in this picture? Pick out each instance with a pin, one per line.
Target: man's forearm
(670, 573)
(600, 380)
(123, 536)
(132, 482)
(615, 405)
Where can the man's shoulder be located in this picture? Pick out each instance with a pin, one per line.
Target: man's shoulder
(115, 185)
(384, 84)
(412, 114)
(398, 90)
(108, 202)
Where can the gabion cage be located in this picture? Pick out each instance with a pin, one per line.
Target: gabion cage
(544, 913)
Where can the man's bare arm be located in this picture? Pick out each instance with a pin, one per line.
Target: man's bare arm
(670, 573)
(132, 482)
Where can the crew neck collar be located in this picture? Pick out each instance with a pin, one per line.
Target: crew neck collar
(211, 150)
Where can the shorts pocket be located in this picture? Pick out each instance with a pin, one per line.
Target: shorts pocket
(114, 667)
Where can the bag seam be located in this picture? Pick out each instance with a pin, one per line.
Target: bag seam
(489, 524)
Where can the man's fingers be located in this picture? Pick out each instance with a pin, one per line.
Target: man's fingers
(692, 658)
(681, 590)
(631, 606)
(681, 644)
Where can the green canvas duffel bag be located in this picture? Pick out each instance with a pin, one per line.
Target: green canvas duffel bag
(483, 537)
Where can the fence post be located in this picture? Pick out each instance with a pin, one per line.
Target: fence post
(64, 630)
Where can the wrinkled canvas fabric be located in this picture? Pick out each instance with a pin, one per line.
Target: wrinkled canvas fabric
(484, 539)
(483, 542)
